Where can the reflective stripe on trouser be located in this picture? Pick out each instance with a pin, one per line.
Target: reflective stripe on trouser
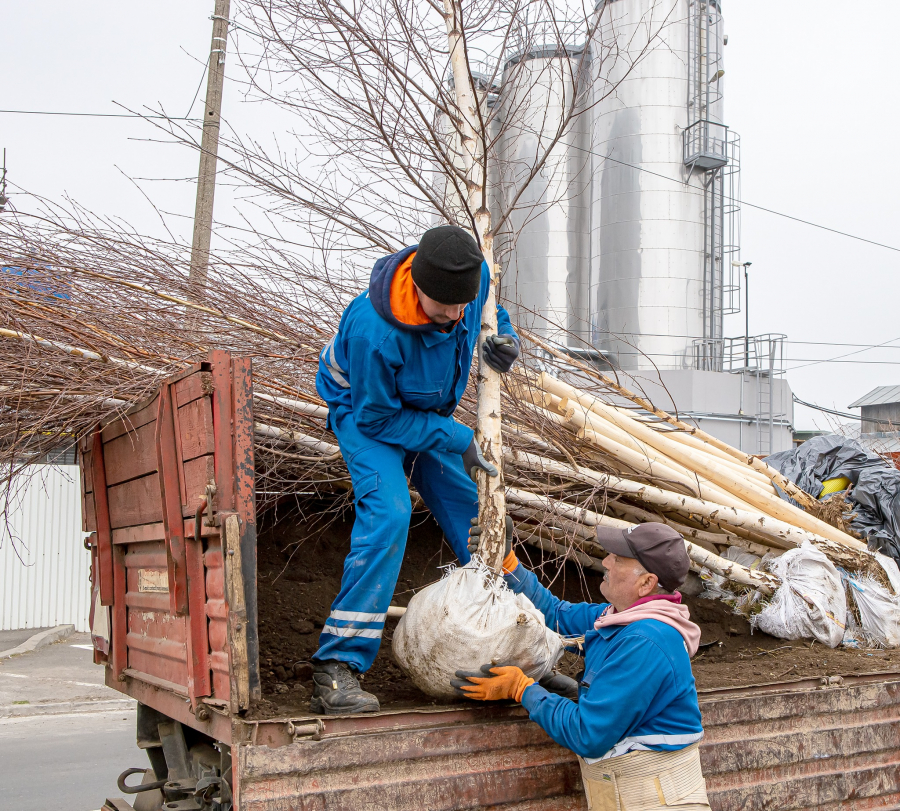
(646, 781)
(353, 630)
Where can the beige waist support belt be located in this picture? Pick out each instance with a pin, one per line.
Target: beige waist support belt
(646, 781)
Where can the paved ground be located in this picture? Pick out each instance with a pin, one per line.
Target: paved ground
(65, 762)
(62, 761)
(61, 672)
(12, 639)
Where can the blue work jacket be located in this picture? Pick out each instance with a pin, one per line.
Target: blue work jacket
(402, 382)
(637, 691)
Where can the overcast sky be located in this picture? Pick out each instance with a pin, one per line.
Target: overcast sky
(810, 88)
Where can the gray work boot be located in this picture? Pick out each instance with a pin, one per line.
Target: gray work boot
(337, 691)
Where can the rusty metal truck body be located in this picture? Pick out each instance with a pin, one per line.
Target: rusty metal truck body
(168, 497)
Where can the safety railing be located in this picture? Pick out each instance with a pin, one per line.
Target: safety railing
(757, 354)
(705, 145)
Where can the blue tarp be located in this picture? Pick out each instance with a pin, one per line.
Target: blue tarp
(43, 281)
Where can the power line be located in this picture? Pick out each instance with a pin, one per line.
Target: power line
(836, 343)
(839, 358)
(825, 410)
(743, 202)
(96, 115)
(840, 413)
(589, 151)
(807, 362)
(741, 337)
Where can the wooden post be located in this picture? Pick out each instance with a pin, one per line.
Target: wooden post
(237, 613)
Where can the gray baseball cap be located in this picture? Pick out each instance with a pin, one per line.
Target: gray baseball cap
(657, 547)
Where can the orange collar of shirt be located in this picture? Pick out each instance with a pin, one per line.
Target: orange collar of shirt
(405, 304)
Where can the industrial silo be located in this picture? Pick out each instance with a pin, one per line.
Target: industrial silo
(658, 241)
(543, 246)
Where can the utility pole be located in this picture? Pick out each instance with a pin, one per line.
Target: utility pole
(209, 145)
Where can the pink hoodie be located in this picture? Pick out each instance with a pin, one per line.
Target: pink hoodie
(662, 607)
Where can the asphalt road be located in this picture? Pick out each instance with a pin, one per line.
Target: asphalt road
(65, 762)
(57, 674)
(57, 751)
(12, 639)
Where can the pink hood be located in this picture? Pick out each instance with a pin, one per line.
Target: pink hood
(664, 608)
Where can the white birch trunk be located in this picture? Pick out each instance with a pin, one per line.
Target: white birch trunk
(763, 581)
(728, 518)
(800, 496)
(491, 499)
(703, 465)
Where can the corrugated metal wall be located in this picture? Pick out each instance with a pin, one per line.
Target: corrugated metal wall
(44, 568)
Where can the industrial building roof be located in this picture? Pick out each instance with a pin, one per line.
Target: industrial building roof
(879, 396)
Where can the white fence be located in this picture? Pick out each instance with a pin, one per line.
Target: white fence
(44, 567)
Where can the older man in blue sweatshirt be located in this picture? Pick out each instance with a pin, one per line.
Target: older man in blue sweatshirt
(636, 723)
(392, 378)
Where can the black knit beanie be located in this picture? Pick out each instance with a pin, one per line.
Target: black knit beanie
(447, 265)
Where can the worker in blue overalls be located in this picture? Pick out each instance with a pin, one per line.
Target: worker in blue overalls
(392, 377)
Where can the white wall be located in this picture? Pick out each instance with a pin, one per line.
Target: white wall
(44, 567)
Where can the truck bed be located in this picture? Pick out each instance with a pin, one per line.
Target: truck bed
(300, 558)
(202, 619)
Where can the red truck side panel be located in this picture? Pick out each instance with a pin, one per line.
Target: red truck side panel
(150, 480)
(791, 747)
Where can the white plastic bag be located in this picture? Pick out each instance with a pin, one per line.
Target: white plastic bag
(714, 584)
(742, 556)
(890, 569)
(810, 603)
(879, 611)
(466, 620)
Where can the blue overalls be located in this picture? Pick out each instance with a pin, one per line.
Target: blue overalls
(391, 390)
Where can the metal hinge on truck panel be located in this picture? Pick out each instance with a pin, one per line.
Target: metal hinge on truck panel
(313, 731)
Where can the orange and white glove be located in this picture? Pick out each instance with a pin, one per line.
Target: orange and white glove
(492, 683)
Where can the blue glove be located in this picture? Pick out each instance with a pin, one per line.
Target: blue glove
(500, 352)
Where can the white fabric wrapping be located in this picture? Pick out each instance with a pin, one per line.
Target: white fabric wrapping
(810, 603)
(879, 611)
(468, 619)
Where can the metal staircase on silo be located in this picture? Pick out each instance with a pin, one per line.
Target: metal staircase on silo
(711, 153)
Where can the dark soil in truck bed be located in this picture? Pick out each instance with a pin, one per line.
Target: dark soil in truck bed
(300, 561)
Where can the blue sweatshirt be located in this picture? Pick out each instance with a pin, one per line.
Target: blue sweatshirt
(402, 382)
(637, 691)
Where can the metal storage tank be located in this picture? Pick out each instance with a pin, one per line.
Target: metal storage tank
(656, 270)
(543, 248)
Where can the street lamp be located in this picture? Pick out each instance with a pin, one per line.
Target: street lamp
(747, 316)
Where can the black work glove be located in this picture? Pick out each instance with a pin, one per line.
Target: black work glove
(475, 536)
(500, 352)
(473, 460)
(564, 686)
